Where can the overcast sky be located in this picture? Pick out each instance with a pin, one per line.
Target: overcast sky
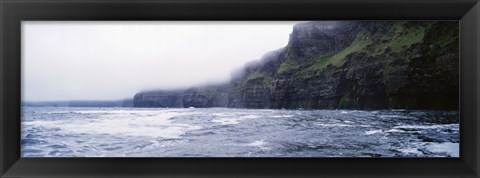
(115, 60)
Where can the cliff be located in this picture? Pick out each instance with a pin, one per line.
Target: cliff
(345, 64)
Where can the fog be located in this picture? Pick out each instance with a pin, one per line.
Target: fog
(115, 60)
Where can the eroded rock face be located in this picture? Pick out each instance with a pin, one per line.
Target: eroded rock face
(195, 99)
(254, 93)
(315, 38)
(329, 65)
(198, 97)
(158, 99)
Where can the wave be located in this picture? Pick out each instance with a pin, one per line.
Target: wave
(158, 125)
(154, 132)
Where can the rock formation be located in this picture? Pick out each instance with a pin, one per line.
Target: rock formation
(344, 64)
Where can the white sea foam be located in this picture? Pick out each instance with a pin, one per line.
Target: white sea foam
(57, 112)
(447, 148)
(258, 143)
(426, 126)
(122, 111)
(395, 116)
(414, 151)
(250, 117)
(451, 149)
(235, 120)
(333, 125)
(371, 132)
(281, 116)
(394, 130)
(163, 132)
(221, 114)
(227, 121)
(158, 125)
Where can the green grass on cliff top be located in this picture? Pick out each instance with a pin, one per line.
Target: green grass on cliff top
(260, 75)
(287, 66)
(402, 38)
(361, 41)
(398, 39)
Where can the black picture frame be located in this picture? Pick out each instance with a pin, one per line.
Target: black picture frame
(12, 12)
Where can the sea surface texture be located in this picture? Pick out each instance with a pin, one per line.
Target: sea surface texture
(224, 132)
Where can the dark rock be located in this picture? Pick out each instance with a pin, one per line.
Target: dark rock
(346, 64)
(158, 99)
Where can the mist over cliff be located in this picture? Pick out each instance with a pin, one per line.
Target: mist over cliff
(340, 64)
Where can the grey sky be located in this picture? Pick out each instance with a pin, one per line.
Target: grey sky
(114, 60)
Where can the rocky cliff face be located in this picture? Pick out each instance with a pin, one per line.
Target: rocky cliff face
(159, 99)
(329, 65)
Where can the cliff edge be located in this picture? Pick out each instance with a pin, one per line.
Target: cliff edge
(340, 64)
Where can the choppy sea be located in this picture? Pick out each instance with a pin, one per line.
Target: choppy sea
(226, 132)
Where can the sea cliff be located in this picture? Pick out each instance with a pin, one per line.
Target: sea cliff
(344, 64)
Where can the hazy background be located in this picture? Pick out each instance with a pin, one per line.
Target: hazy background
(115, 60)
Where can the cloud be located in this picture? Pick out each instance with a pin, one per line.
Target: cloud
(114, 60)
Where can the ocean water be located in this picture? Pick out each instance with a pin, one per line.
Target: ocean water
(225, 132)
